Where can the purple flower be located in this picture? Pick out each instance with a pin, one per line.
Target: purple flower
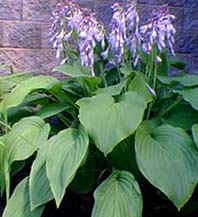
(63, 21)
(124, 30)
(160, 31)
(132, 25)
(117, 34)
(89, 31)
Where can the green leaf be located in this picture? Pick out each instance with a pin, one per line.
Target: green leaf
(19, 93)
(50, 110)
(190, 95)
(66, 153)
(25, 137)
(176, 117)
(187, 80)
(195, 133)
(139, 85)
(19, 203)
(118, 196)
(111, 90)
(8, 82)
(109, 122)
(126, 70)
(75, 70)
(39, 188)
(167, 157)
(2, 174)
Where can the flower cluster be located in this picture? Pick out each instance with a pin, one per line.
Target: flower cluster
(124, 32)
(89, 31)
(117, 35)
(160, 31)
(63, 19)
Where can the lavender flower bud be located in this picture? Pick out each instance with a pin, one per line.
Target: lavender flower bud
(63, 23)
(159, 31)
(133, 36)
(90, 31)
(117, 35)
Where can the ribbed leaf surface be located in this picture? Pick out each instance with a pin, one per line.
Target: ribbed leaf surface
(118, 196)
(109, 122)
(167, 157)
(19, 203)
(66, 153)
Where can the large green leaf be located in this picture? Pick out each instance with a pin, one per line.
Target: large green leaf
(24, 88)
(139, 85)
(51, 109)
(168, 159)
(109, 122)
(195, 133)
(118, 196)
(8, 82)
(39, 188)
(25, 137)
(190, 95)
(66, 153)
(111, 90)
(19, 203)
(187, 80)
(176, 117)
(75, 70)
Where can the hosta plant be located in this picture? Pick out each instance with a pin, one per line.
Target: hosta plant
(118, 121)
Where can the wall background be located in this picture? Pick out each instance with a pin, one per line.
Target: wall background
(24, 30)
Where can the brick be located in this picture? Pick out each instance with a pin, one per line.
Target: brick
(193, 66)
(21, 35)
(191, 19)
(193, 4)
(154, 2)
(86, 4)
(1, 36)
(186, 42)
(10, 9)
(36, 61)
(45, 40)
(39, 10)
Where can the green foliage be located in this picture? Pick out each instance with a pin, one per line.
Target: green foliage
(119, 195)
(19, 203)
(130, 121)
(167, 156)
(109, 122)
(70, 148)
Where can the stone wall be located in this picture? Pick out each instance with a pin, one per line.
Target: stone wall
(24, 30)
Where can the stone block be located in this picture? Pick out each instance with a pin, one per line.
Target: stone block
(153, 2)
(10, 9)
(39, 10)
(193, 4)
(21, 35)
(86, 4)
(186, 42)
(45, 39)
(36, 61)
